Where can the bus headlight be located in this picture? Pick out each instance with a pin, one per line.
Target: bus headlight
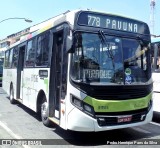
(76, 102)
(82, 105)
(88, 108)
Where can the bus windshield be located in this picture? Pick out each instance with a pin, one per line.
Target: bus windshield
(108, 60)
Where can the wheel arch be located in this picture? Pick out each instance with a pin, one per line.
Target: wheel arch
(40, 99)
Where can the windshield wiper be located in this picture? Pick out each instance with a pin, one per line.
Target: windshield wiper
(104, 42)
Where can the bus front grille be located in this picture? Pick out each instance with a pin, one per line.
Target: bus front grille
(113, 120)
(119, 93)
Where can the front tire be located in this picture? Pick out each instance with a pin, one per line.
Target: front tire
(44, 114)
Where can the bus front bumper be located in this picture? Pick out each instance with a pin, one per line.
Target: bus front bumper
(79, 121)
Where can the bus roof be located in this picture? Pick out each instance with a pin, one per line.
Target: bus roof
(67, 16)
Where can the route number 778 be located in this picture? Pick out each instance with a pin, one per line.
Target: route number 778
(94, 21)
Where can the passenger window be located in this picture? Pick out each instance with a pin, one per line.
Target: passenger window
(30, 53)
(42, 50)
(15, 57)
(7, 58)
(10, 58)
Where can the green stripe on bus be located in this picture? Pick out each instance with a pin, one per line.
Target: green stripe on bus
(46, 83)
(118, 105)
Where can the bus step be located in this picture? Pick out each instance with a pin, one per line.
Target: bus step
(19, 100)
(55, 120)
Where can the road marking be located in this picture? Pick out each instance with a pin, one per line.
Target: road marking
(155, 123)
(11, 133)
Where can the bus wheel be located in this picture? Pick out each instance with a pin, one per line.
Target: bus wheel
(11, 96)
(44, 114)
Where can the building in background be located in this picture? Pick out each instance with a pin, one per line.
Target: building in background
(11, 39)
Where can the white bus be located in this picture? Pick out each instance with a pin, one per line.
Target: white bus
(156, 73)
(68, 72)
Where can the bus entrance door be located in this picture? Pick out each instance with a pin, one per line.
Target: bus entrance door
(56, 75)
(20, 71)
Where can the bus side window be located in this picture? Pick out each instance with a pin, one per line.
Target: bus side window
(158, 57)
(30, 53)
(6, 62)
(42, 50)
(10, 58)
(15, 57)
(155, 57)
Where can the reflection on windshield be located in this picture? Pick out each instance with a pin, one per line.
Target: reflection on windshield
(91, 62)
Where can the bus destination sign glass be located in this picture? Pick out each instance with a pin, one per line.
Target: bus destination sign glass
(112, 22)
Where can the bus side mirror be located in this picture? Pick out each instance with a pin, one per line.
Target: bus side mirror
(69, 47)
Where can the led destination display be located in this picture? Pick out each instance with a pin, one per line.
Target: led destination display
(112, 22)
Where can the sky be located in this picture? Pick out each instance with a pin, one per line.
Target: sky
(41, 10)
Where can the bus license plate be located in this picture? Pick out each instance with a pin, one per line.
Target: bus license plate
(124, 119)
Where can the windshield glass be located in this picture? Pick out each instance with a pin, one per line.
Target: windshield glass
(99, 58)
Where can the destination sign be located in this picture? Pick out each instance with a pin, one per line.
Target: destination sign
(97, 74)
(112, 22)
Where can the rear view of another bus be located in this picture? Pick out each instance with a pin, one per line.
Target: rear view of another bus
(156, 73)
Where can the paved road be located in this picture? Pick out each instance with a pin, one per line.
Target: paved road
(19, 122)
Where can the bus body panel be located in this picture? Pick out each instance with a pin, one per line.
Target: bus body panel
(82, 123)
(156, 80)
(156, 91)
(156, 102)
(32, 84)
(28, 90)
(10, 76)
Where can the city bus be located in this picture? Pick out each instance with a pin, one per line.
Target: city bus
(66, 71)
(155, 47)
